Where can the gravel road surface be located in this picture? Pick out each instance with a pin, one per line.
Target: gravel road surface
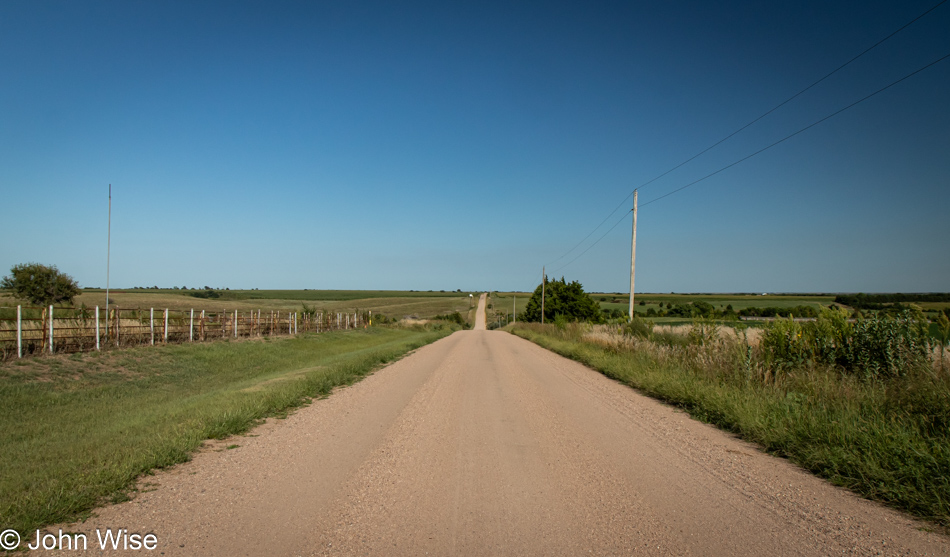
(485, 444)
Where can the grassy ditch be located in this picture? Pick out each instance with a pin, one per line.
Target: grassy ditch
(76, 431)
(886, 437)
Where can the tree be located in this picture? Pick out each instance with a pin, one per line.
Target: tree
(40, 284)
(562, 298)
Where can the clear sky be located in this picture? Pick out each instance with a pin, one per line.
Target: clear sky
(442, 145)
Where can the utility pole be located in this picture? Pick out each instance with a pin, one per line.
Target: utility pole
(633, 251)
(543, 280)
(108, 255)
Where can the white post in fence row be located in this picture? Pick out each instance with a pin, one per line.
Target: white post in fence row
(19, 332)
(295, 322)
(191, 326)
(51, 329)
(151, 324)
(166, 325)
(258, 322)
(235, 323)
(97, 328)
(290, 325)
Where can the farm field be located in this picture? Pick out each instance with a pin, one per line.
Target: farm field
(720, 301)
(391, 303)
(500, 303)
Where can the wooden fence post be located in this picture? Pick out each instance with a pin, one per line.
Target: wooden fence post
(151, 324)
(97, 328)
(201, 326)
(51, 329)
(19, 332)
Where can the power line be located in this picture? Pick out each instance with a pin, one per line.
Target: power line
(809, 126)
(592, 231)
(786, 101)
(716, 144)
(747, 157)
(623, 218)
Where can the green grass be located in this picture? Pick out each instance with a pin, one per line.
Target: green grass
(888, 440)
(77, 431)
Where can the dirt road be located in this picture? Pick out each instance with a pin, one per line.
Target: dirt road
(485, 444)
(480, 313)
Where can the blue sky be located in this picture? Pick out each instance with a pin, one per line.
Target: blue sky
(373, 145)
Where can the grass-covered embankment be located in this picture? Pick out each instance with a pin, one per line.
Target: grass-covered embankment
(77, 431)
(887, 439)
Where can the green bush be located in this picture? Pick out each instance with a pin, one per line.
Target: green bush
(208, 293)
(454, 317)
(41, 285)
(637, 327)
(884, 346)
(562, 298)
(888, 346)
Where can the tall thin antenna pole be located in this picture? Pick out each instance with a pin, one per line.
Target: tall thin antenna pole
(108, 255)
(633, 252)
(544, 279)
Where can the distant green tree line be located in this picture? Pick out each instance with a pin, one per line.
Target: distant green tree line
(878, 301)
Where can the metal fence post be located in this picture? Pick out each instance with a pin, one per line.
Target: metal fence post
(97, 327)
(19, 332)
(151, 323)
(191, 326)
(51, 329)
(166, 325)
(235, 323)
